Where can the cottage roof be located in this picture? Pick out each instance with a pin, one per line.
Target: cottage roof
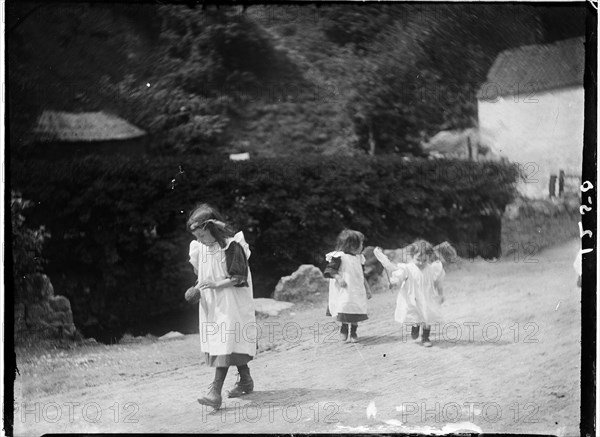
(538, 67)
(85, 126)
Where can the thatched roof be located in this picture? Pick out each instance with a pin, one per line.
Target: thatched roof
(536, 67)
(84, 126)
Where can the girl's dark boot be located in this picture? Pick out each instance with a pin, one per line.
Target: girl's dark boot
(425, 339)
(414, 332)
(344, 332)
(213, 397)
(353, 336)
(244, 384)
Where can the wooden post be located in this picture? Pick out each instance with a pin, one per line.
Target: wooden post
(469, 148)
(552, 185)
(561, 183)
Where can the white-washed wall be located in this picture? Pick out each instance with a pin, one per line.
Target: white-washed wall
(541, 132)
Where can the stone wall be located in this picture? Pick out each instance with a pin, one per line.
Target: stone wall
(530, 225)
(46, 317)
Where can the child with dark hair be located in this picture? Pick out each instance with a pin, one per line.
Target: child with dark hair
(220, 260)
(421, 293)
(348, 289)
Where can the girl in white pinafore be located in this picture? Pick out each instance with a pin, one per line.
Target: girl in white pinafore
(421, 294)
(228, 330)
(348, 289)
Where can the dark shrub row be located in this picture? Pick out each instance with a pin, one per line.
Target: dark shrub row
(119, 243)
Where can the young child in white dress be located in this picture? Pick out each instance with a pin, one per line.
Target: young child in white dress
(227, 320)
(421, 293)
(348, 289)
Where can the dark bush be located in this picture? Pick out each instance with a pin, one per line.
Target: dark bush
(119, 246)
(27, 244)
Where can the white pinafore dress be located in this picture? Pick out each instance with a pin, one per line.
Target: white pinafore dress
(418, 300)
(347, 304)
(228, 329)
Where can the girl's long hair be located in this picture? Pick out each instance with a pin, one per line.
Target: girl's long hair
(349, 241)
(207, 217)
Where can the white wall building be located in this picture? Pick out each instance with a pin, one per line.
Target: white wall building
(531, 110)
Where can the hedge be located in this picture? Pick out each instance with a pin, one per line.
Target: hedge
(119, 242)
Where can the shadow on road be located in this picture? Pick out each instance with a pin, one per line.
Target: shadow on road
(289, 397)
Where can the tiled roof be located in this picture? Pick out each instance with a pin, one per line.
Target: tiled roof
(536, 68)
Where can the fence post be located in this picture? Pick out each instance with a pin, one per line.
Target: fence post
(552, 185)
(561, 183)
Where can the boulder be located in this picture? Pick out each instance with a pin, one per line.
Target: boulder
(374, 274)
(171, 335)
(378, 283)
(49, 316)
(270, 307)
(305, 284)
(60, 304)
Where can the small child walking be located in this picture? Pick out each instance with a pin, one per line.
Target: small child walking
(421, 294)
(220, 259)
(348, 289)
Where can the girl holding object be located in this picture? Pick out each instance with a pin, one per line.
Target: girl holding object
(220, 259)
(421, 294)
(348, 289)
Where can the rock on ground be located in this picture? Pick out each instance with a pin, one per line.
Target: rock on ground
(305, 284)
(270, 307)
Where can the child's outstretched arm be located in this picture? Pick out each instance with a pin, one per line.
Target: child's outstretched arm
(384, 260)
(397, 272)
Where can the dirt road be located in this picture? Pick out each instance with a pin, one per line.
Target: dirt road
(506, 360)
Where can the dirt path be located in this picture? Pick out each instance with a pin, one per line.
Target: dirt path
(507, 360)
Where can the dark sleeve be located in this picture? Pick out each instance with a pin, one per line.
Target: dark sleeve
(237, 264)
(332, 267)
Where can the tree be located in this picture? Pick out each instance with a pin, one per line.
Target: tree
(204, 57)
(422, 73)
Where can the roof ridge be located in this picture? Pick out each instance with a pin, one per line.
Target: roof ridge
(541, 66)
(548, 44)
(83, 126)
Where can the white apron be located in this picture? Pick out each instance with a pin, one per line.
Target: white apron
(227, 320)
(351, 299)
